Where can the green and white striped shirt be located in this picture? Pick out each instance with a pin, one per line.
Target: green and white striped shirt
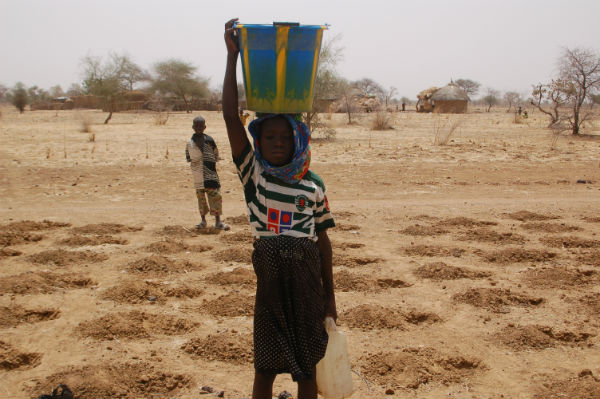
(275, 207)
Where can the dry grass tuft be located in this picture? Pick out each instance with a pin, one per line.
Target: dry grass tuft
(161, 118)
(444, 130)
(86, 125)
(382, 121)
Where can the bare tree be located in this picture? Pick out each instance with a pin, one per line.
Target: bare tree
(468, 86)
(179, 79)
(512, 98)
(327, 81)
(131, 72)
(577, 81)
(368, 88)
(56, 91)
(552, 95)
(348, 93)
(75, 90)
(109, 80)
(37, 94)
(388, 95)
(580, 76)
(491, 98)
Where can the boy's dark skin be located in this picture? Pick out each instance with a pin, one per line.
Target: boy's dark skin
(277, 147)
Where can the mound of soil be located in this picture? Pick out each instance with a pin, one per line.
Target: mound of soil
(537, 337)
(420, 230)
(560, 277)
(8, 238)
(411, 368)
(42, 282)
(368, 317)
(347, 227)
(526, 216)
(344, 215)
(570, 242)
(14, 315)
(8, 252)
(517, 255)
(440, 271)
(433, 250)
(227, 347)
(590, 258)
(347, 245)
(13, 359)
(240, 220)
(208, 231)
(585, 385)
(105, 229)
(238, 276)
(463, 222)
(136, 292)
(134, 325)
(391, 283)
(590, 303)
(497, 300)
(550, 227)
(235, 254)
(592, 219)
(487, 235)
(160, 265)
(30, 225)
(61, 257)
(237, 237)
(424, 217)
(116, 380)
(417, 317)
(340, 259)
(171, 246)
(348, 282)
(230, 305)
(77, 240)
(177, 231)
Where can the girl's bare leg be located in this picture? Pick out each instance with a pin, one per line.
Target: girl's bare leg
(263, 386)
(307, 389)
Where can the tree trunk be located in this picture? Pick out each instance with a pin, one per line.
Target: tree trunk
(576, 121)
(187, 105)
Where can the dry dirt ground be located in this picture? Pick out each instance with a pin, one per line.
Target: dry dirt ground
(470, 269)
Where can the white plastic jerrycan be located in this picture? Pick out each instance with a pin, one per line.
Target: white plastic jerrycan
(334, 377)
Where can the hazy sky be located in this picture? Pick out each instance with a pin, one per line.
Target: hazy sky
(411, 45)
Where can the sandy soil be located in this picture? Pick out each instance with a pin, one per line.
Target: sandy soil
(470, 269)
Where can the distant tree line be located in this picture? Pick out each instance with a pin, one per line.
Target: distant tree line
(175, 81)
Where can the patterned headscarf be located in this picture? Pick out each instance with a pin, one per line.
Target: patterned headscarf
(293, 172)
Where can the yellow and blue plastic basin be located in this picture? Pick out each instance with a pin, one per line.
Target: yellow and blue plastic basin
(279, 64)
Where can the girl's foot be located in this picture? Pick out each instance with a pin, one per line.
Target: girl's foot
(221, 226)
(202, 225)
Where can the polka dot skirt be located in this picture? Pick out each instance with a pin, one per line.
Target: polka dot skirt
(289, 336)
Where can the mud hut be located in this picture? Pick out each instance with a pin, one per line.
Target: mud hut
(450, 99)
(424, 103)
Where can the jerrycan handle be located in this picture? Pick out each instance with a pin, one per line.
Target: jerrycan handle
(330, 325)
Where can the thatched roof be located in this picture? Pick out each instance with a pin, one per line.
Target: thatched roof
(451, 92)
(427, 93)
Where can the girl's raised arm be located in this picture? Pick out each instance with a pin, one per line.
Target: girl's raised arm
(235, 129)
